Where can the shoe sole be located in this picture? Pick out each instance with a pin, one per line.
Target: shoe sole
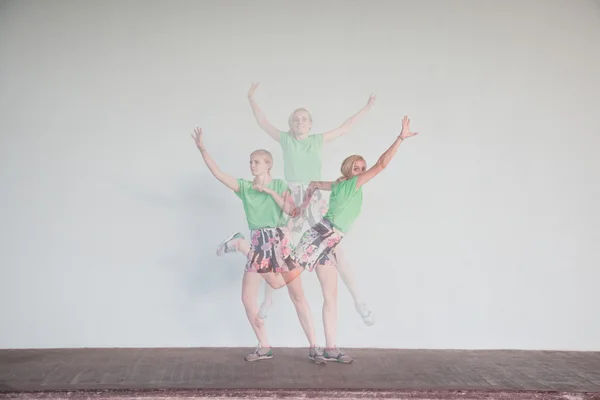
(318, 362)
(259, 359)
(338, 361)
(368, 322)
(368, 319)
(329, 359)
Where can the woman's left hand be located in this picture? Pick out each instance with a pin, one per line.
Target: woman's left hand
(406, 132)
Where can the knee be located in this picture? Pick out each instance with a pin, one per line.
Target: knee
(298, 298)
(248, 300)
(258, 321)
(297, 295)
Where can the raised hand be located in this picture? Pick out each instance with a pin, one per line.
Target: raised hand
(406, 132)
(253, 89)
(198, 138)
(371, 101)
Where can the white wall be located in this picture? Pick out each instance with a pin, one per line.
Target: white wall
(481, 234)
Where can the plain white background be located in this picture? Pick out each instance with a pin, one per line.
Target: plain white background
(481, 234)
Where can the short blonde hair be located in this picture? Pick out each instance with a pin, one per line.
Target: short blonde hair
(347, 165)
(268, 157)
(294, 113)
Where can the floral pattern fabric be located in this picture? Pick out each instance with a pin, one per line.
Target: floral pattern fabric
(269, 247)
(317, 246)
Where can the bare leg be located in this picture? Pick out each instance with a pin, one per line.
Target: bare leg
(296, 293)
(328, 279)
(267, 302)
(349, 279)
(243, 246)
(250, 286)
(347, 273)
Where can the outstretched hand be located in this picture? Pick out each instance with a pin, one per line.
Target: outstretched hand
(371, 101)
(198, 138)
(406, 132)
(253, 89)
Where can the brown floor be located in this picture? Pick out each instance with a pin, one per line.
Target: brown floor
(387, 373)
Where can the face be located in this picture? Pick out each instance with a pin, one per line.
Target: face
(359, 167)
(259, 164)
(301, 123)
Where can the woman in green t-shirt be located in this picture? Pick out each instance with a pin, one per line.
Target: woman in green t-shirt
(318, 243)
(265, 202)
(302, 156)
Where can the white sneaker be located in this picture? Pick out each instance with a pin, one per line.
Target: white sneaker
(366, 313)
(229, 245)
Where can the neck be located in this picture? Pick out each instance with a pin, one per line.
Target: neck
(300, 136)
(262, 179)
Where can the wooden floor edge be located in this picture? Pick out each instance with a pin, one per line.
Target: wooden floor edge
(291, 394)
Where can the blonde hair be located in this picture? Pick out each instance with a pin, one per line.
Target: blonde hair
(347, 165)
(294, 113)
(268, 157)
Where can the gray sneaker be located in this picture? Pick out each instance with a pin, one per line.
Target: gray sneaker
(316, 354)
(260, 354)
(337, 355)
(229, 245)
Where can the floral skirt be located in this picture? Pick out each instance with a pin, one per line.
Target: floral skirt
(269, 247)
(317, 246)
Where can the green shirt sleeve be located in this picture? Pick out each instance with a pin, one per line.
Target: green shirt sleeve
(317, 140)
(348, 187)
(283, 138)
(243, 185)
(282, 187)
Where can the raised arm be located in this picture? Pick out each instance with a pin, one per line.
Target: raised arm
(260, 116)
(226, 179)
(347, 125)
(386, 157)
(321, 185)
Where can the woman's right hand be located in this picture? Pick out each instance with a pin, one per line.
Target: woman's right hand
(253, 89)
(198, 138)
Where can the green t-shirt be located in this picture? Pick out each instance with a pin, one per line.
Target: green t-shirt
(301, 158)
(261, 209)
(344, 204)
